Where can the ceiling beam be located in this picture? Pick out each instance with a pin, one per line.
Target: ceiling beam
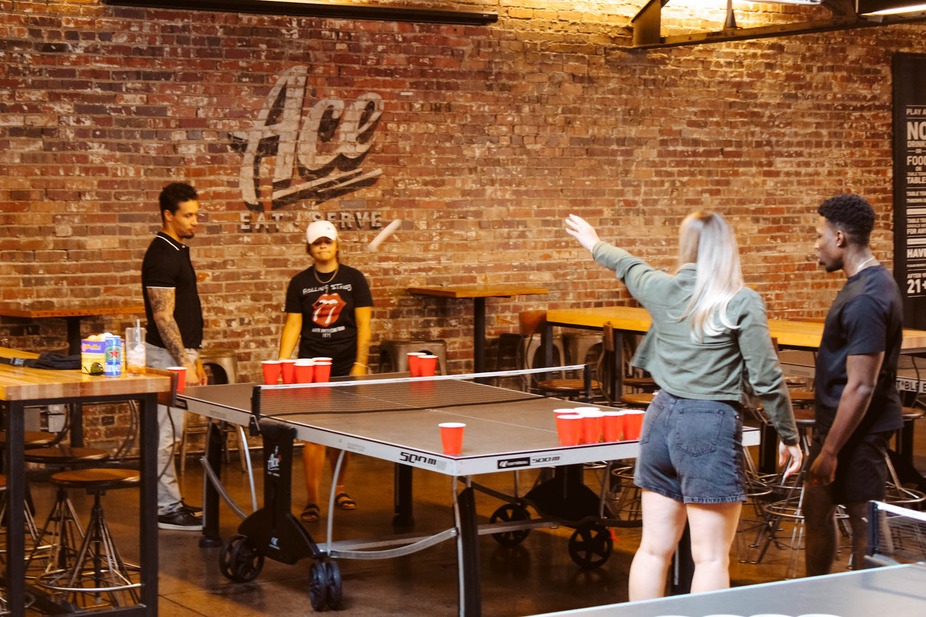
(647, 26)
(312, 9)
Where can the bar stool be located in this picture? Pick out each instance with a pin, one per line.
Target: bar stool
(33, 439)
(223, 363)
(904, 437)
(62, 533)
(97, 574)
(633, 379)
(393, 353)
(530, 324)
(32, 532)
(637, 400)
(788, 505)
(580, 345)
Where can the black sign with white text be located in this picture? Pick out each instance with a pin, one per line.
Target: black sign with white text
(909, 74)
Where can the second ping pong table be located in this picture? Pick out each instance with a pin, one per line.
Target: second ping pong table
(396, 420)
(898, 590)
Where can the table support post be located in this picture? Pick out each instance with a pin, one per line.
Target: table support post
(215, 446)
(468, 548)
(546, 342)
(148, 549)
(15, 513)
(75, 424)
(402, 500)
(479, 335)
(73, 323)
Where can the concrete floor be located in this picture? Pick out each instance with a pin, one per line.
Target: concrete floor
(535, 576)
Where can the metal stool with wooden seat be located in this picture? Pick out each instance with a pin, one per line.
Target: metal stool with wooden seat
(530, 324)
(61, 535)
(97, 575)
(638, 400)
(393, 353)
(31, 531)
(32, 534)
(904, 437)
(33, 439)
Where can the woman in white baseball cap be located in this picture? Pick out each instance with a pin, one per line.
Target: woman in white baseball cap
(328, 311)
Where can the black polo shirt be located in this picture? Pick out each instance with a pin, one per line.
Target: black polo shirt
(167, 264)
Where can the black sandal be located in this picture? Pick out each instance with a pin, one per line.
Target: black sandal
(344, 502)
(310, 513)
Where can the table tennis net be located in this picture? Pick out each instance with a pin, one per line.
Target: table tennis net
(385, 395)
(896, 534)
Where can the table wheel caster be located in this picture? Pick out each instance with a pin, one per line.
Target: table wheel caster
(590, 546)
(325, 585)
(334, 585)
(240, 561)
(507, 513)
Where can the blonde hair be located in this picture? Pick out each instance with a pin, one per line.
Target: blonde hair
(707, 240)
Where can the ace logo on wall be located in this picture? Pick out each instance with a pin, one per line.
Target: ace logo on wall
(294, 154)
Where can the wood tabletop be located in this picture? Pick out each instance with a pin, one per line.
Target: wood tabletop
(33, 310)
(19, 383)
(790, 334)
(478, 291)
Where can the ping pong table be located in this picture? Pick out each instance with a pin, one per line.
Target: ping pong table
(396, 420)
(896, 590)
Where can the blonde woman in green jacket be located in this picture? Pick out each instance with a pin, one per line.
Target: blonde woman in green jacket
(709, 336)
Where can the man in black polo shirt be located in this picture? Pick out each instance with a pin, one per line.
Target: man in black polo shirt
(175, 334)
(857, 404)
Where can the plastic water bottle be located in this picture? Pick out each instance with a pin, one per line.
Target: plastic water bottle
(135, 348)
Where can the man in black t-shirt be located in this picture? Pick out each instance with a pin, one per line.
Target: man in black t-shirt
(174, 336)
(857, 404)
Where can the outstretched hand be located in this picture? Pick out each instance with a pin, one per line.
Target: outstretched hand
(578, 228)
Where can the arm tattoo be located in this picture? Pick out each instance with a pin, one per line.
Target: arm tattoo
(162, 306)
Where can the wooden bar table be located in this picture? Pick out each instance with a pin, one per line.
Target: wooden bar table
(802, 335)
(478, 293)
(21, 387)
(72, 313)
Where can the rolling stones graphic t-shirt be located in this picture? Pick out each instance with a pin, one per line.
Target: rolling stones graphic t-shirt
(327, 307)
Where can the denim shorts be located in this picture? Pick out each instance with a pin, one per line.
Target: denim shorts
(691, 450)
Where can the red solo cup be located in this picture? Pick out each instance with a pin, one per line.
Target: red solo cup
(633, 424)
(569, 429)
(288, 371)
(318, 359)
(591, 426)
(427, 365)
(304, 371)
(181, 377)
(272, 371)
(612, 426)
(451, 437)
(414, 367)
(322, 372)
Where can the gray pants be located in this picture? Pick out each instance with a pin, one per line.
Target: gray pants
(170, 429)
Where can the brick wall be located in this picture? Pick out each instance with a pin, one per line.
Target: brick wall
(480, 139)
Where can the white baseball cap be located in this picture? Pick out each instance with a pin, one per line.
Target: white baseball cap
(321, 229)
